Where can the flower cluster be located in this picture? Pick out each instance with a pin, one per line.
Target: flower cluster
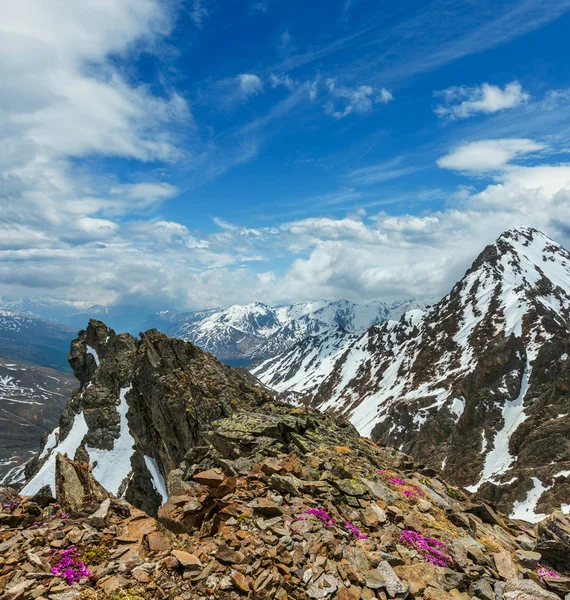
(11, 505)
(70, 567)
(397, 481)
(321, 515)
(432, 550)
(412, 491)
(355, 531)
(543, 572)
(328, 521)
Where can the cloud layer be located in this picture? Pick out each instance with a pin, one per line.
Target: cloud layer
(463, 102)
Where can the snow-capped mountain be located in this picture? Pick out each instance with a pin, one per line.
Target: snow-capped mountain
(31, 400)
(256, 331)
(26, 338)
(476, 385)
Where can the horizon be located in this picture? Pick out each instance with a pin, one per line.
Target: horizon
(206, 156)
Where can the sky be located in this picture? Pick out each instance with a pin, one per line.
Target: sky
(198, 153)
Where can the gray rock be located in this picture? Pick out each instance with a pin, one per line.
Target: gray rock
(526, 589)
(483, 590)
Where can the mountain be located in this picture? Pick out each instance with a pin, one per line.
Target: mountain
(31, 400)
(140, 406)
(26, 338)
(258, 499)
(477, 385)
(76, 314)
(242, 334)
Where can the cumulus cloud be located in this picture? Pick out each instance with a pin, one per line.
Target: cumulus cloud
(462, 102)
(249, 84)
(487, 155)
(360, 99)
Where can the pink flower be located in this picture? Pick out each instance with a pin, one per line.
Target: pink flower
(433, 551)
(321, 515)
(397, 481)
(543, 572)
(355, 531)
(69, 567)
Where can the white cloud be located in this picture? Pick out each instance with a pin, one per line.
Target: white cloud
(249, 84)
(488, 155)
(360, 99)
(199, 12)
(282, 80)
(385, 171)
(463, 102)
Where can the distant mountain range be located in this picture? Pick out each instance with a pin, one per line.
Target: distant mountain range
(30, 339)
(40, 330)
(476, 386)
(242, 334)
(31, 401)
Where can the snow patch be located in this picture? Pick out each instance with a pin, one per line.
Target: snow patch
(112, 467)
(158, 482)
(94, 354)
(525, 509)
(50, 442)
(68, 446)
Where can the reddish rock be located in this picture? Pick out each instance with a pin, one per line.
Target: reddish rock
(212, 477)
(187, 560)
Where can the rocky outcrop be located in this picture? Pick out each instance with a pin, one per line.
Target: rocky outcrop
(141, 406)
(278, 502)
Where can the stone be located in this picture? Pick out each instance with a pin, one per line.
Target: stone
(324, 586)
(187, 560)
(211, 478)
(525, 589)
(553, 540)
(241, 581)
(420, 576)
(527, 558)
(102, 511)
(506, 566)
(141, 575)
(157, 542)
(285, 484)
(266, 507)
(482, 589)
(374, 515)
(193, 506)
(75, 486)
(228, 555)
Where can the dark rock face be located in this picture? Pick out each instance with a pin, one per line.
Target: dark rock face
(142, 404)
(478, 385)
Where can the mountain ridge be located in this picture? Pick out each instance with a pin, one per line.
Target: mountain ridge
(453, 384)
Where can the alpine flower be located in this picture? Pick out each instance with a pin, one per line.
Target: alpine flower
(434, 551)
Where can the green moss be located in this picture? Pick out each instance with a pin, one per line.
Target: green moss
(128, 595)
(243, 517)
(454, 493)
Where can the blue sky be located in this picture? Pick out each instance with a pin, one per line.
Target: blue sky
(198, 153)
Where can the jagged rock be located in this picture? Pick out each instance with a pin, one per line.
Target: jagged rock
(75, 486)
(160, 391)
(44, 497)
(554, 540)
